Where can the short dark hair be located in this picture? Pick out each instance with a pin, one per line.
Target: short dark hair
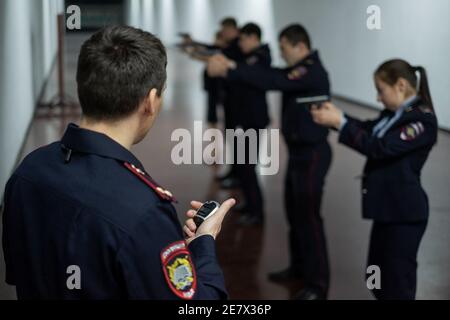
(296, 33)
(252, 29)
(229, 22)
(117, 68)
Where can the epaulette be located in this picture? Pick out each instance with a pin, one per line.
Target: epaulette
(147, 179)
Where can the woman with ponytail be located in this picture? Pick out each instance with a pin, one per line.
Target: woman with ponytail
(397, 145)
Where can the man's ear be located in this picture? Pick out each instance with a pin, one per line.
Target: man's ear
(152, 105)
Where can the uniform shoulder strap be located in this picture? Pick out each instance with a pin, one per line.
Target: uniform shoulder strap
(148, 180)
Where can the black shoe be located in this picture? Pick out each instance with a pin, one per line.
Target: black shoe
(231, 183)
(250, 220)
(284, 275)
(310, 294)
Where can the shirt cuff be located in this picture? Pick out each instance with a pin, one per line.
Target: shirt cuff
(203, 245)
(343, 122)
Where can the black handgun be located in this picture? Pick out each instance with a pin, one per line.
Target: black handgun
(315, 100)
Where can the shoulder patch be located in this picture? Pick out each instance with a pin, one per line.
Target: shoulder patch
(252, 60)
(426, 109)
(297, 73)
(412, 131)
(179, 270)
(161, 192)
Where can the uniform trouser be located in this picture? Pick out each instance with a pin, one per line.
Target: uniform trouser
(213, 102)
(249, 180)
(393, 248)
(304, 183)
(231, 122)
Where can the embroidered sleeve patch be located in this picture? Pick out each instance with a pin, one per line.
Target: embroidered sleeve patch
(427, 110)
(179, 270)
(297, 73)
(412, 131)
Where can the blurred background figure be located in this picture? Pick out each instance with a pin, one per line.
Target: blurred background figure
(252, 114)
(229, 92)
(308, 148)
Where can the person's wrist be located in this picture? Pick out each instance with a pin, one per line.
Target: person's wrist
(197, 236)
(339, 120)
(206, 233)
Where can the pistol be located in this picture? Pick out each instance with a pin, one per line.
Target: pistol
(309, 101)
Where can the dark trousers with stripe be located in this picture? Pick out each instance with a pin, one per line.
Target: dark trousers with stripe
(249, 179)
(393, 248)
(213, 101)
(307, 169)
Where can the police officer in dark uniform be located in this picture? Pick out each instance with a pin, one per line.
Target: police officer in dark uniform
(83, 219)
(232, 92)
(309, 153)
(253, 115)
(233, 51)
(232, 96)
(214, 86)
(397, 145)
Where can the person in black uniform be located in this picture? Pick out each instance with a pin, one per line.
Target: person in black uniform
(231, 92)
(397, 145)
(214, 87)
(86, 202)
(232, 96)
(309, 152)
(253, 115)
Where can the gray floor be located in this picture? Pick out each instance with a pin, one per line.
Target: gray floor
(347, 233)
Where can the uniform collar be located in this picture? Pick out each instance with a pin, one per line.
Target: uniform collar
(312, 57)
(392, 117)
(91, 142)
(409, 102)
(263, 46)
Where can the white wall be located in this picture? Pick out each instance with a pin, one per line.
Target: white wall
(27, 48)
(133, 16)
(193, 16)
(415, 30)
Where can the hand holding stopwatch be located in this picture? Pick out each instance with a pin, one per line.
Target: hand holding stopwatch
(207, 210)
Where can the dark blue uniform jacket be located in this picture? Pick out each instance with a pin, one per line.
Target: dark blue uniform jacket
(391, 184)
(83, 220)
(307, 78)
